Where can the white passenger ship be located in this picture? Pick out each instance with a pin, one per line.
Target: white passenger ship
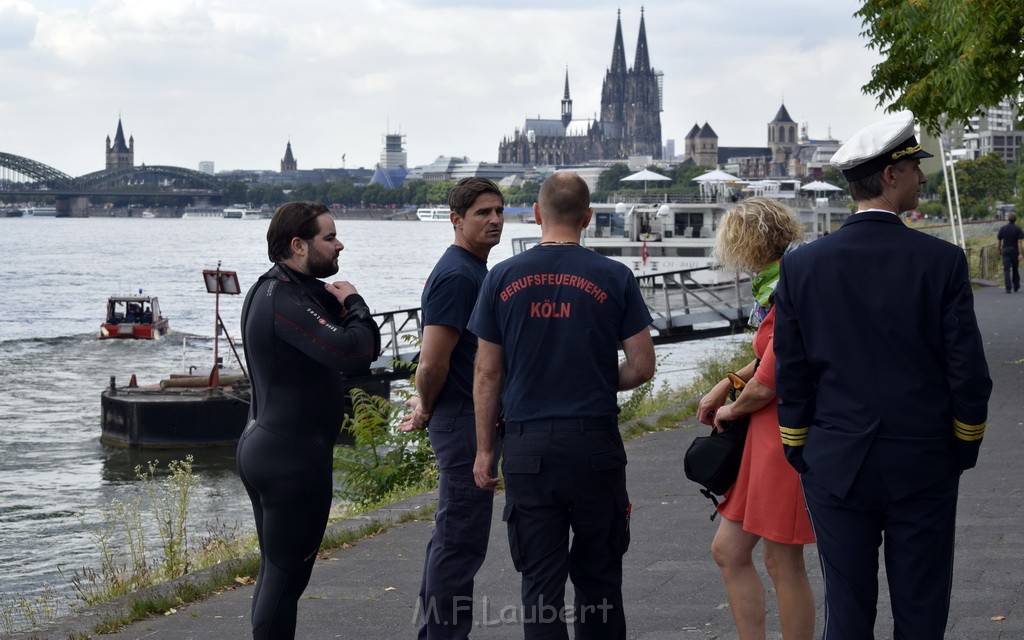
(434, 214)
(242, 212)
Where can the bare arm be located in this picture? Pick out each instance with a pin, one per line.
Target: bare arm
(714, 399)
(753, 397)
(638, 367)
(487, 377)
(435, 357)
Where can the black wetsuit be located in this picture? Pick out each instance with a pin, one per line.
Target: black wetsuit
(298, 348)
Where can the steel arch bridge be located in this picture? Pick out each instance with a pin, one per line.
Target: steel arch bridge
(38, 171)
(181, 178)
(108, 179)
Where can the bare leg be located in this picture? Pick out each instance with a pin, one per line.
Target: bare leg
(732, 549)
(785, 565)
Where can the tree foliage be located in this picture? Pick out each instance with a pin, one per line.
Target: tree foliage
(981, 183)
(944, 57)
(610, 177)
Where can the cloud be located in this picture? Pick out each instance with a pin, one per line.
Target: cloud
(233, 81)
(17, 24)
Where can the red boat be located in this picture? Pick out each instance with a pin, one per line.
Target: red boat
(136, 317)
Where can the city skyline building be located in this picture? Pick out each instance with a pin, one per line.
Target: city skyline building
(629, 124)
(119, 154)
(288, 162)
(992, 130)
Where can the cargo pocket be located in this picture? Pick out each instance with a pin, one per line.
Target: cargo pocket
(618, 538)
(467, 520)
(510, 517)
(611, 467)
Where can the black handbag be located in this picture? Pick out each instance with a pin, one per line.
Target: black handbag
(713, 461)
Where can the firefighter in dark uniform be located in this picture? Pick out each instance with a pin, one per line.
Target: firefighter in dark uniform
(884, 391)
(549, 323)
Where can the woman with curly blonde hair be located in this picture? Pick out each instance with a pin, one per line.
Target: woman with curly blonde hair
(767, 501)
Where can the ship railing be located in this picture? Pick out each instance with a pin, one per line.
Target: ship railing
(400, 334)
(678, 301)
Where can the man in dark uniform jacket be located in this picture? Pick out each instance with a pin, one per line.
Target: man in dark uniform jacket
(549, 322)
(884, 391)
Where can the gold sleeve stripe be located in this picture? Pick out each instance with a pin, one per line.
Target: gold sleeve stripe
(969, 432)
(793, 437)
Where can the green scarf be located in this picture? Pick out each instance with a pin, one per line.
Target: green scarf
(763, 286)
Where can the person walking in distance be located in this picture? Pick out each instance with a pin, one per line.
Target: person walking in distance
(549, 323)
(1010, 237)
(301, 338)
(884, 391)
(444, 406)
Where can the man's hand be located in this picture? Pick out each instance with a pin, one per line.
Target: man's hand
(341, 289)
(416, 419)
(482, 470)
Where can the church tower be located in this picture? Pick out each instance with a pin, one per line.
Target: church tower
(566, 103)
(783, 142)
(643, 102)
(288, 163)
(120, 154)
(613, 92)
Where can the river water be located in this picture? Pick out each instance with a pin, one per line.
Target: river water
(55, 475)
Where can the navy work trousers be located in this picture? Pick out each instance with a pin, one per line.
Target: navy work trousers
(561, 477)
(462, 526)
(1011, 270)
(919, 534)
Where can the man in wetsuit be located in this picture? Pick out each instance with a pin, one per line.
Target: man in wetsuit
(302, 337)
(444, 384)
(549, 323)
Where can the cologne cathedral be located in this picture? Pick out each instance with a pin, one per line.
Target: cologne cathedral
(630, 122)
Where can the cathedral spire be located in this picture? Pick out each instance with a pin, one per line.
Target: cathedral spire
(566, 102)
(618, 49)
(643, 60)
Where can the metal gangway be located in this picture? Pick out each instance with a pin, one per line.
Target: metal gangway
(685, 309)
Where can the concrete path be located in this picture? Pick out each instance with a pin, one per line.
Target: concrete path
(672, 587)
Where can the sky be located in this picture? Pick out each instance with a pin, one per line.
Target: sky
(233, 81)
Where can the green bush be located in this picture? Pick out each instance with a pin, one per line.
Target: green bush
(382, 459)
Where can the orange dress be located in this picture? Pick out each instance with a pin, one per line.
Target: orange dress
(767, 497)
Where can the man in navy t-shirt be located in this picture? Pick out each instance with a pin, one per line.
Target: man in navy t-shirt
(444, 384)
(549, 323)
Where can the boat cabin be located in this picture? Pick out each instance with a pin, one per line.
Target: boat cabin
(653, 222)
(133, 317)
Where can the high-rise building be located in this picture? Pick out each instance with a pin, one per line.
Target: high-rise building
(393, 155)
(992, 130)
(206, 166)
(391, 171)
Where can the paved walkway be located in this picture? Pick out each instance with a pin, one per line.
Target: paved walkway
(672, 587)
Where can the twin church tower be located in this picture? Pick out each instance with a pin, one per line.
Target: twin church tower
(630, 123)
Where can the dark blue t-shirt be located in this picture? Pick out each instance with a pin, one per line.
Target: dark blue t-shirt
(448, 299)
(1008, 236)
(559, 312)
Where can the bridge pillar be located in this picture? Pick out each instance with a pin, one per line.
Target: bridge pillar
(73, 206)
